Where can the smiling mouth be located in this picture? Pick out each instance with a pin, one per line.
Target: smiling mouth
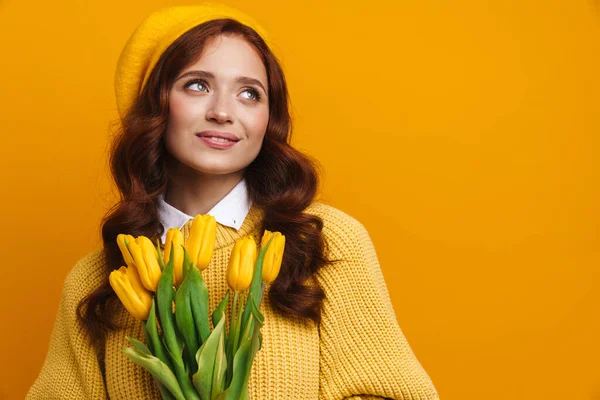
(219, 139)
(218, 143)
(218, 136)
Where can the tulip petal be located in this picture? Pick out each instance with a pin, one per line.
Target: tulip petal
(192, 244)
(234, 261)
(135, 303)
(139, 263)
(174, 241)
(241, 264)
(207, 245)
(124, 250)
(150, 256)
(273, 257)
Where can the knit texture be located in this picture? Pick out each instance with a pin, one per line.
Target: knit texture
(357, 352)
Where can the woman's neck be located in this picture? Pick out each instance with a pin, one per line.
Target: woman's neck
(197, 194)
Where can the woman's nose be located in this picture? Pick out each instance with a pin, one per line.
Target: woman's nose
(219, 110)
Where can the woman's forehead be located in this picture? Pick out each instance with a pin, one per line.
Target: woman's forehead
(229, 57)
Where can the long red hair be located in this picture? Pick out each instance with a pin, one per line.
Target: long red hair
(281, 181)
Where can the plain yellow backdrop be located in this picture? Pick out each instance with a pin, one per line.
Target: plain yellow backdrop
(462, 133)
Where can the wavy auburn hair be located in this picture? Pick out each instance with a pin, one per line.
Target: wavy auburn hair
(281, 181)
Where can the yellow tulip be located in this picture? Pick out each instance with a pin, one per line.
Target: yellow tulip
(241, 264)
(273, 256)
(128, 287)
(201, 241)
(145, 259)
(175, 240)
(124, 251)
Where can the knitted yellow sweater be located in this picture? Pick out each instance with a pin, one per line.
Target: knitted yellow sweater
(358, 351)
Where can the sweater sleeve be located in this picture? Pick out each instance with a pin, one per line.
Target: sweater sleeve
(71, 369)
(364, 354)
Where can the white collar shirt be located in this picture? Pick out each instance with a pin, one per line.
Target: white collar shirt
(230, 211)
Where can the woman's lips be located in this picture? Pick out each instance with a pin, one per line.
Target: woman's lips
(220, 145)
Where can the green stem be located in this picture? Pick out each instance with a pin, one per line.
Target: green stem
(185, 383)
(238, 322)
(233, 311)
(230, 339)
(262, 292)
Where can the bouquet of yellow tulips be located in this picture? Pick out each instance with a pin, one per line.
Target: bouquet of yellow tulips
(166, 290)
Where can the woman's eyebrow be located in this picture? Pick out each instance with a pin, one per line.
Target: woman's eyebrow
(209, 75)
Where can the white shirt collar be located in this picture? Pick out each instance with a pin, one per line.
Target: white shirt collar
(230, 211)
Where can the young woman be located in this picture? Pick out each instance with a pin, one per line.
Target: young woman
(205, 128)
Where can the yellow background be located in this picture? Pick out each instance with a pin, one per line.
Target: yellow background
(462, 133)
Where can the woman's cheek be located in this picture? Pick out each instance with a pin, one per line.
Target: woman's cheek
(184, 110)
(260, 122)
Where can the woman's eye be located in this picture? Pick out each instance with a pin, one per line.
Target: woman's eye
(254, 95)
(194, 84)
(200, 86)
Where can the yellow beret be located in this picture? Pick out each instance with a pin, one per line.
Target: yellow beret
(157, 32)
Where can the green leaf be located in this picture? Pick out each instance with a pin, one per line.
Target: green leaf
(138, 345)
(157, 369)
(219, 312)
(236, 334)
(258, 316)
(183, 378)
(154, 342)
(185, 322)
(255, 322)
(164, 392)
(256, 285)
(171, 336)
(208, 356)
(250, 343)
(161, 260)
(259, 340)
(220, 368)
(149, 342)
(199, 303)
(234, 329)
(248, 331)
(164, 297)
(187, 262)
(242, 366)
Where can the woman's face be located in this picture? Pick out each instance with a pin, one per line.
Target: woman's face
(224, 91)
